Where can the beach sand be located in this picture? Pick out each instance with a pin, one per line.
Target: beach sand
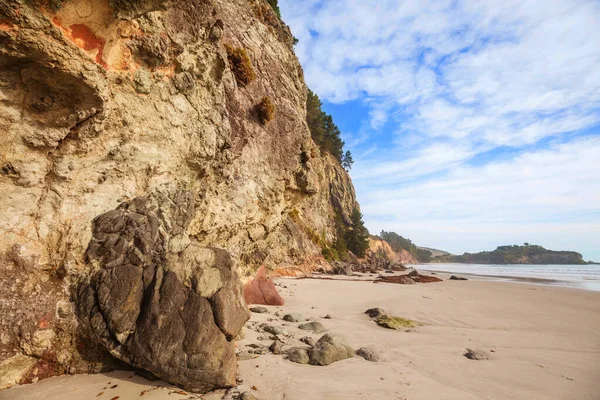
(544, 343)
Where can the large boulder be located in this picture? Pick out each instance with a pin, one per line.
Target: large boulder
(157, 299)
(261, 290)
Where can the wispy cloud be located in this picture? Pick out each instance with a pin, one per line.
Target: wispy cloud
(449, 81)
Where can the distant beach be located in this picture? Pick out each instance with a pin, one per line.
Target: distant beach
(575, 276)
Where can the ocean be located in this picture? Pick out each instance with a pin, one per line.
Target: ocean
(575, 276)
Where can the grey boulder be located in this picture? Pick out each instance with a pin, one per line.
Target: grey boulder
(156, 298)
(329, 349)
(315, 327)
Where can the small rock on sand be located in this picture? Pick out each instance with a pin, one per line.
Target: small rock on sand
(474, 354)
(259, 310)
(329, 349)
(293, 317)
(327, 316)
(457, 278)
(391, 322)
(275, 330)
(298, 355)
(247, 396)
(276, 347)
(308, 340)
(316, 327)
(375, 312)
(367, 354)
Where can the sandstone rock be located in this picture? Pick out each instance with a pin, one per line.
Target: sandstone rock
(375, 312)
(259, 310)
(298, 355)
(14, 369)
(315, 327)
(261, 290)
(103, 106)
(413, 273)
(293, 317)
(329, 349)
(475, 354)
(457, 278)
(367, 354)
(172, 314)
(308, 340)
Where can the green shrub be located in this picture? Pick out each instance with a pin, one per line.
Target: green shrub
(265, 110)
(294, 214)
(240, 64)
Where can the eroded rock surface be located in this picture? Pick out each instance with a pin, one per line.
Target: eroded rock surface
(106, 101)
(157, 299)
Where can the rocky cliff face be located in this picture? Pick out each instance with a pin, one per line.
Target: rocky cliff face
(105, 104)
(380, 246)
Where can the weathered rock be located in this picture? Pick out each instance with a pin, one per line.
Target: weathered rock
(341, 268)
(327, 316)
(308, 340)
(298, 355)
(391, 322)
(375, 312)
(259, 310)
(413, 273)
(102, 106)
(293, 317)
(275, 330)
(400, 279)
(261, 290)
(14, 369)
(314, 326)
(475, 354)
(276, 347)
(367, 354)
(457, 278)
(329, 349)
(169, 311)
(247, 396)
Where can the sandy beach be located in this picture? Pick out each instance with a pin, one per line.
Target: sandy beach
(544, 343)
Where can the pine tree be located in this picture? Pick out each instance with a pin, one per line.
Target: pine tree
(357, 237)
(347, 161)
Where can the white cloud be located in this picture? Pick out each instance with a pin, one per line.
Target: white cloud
(457, 79)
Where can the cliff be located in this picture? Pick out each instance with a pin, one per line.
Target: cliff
(528, 254)
(383, 248)
(131, 138)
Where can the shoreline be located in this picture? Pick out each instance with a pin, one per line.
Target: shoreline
(588, 284)
(543, 342)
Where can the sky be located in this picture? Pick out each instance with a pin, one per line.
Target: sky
(472, 123)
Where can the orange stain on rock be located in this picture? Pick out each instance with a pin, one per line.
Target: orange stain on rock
(87, 40)
(6, 26)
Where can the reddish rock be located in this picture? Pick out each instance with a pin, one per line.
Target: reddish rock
(261, 290)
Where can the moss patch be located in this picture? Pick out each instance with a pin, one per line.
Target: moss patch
(265, 110)
(240, 64)
(391, 322)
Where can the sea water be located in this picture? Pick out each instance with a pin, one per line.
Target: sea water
(576, 276)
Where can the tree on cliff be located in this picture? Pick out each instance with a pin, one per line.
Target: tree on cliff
(323, 130)
(347, 161)
(357, 236)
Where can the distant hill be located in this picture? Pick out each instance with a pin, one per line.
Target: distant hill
(526, 254)
(434, 252)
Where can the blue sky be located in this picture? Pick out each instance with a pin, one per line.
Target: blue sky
(472, 123)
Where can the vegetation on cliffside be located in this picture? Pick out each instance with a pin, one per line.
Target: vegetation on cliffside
(526, 254)
(325, 132)
(399, 243)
